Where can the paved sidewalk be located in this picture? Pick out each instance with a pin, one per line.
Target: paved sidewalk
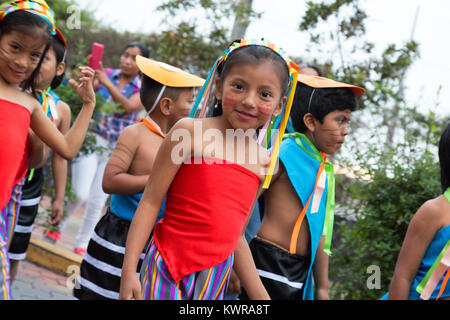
(37, 283)
(42, 280)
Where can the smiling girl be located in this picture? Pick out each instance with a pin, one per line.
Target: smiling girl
(25, 30)
(208, 200)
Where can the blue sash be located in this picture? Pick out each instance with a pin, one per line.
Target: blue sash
(302, 170)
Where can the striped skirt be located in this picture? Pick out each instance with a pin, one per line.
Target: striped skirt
(101, 267)
(8, 218)
(158, 284)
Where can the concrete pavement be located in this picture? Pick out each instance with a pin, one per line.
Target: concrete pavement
(49, 270)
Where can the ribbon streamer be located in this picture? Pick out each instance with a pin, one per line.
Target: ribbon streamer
(435, 273)
(431, 279)
(268, 132)
(317, 194)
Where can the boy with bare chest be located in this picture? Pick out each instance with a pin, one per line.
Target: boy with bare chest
(167, 93)
(293, 242)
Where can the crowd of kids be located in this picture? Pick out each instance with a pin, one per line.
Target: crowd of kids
(227, 195)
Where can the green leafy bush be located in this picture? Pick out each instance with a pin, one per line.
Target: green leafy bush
(383, 208)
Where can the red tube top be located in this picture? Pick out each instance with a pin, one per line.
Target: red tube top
(14, 125)
(206, 209)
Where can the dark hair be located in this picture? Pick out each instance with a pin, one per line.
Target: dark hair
(61, 56)
(316, 68)
(444, 158)
(145, 52)
(27, 22)
(150, 90)
(319, 102)
(254, 55)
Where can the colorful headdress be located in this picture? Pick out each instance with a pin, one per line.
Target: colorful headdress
(59, 35)
(167, 75)
(200, 107)
(38, 7)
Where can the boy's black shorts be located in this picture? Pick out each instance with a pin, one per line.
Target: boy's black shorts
(283, 274)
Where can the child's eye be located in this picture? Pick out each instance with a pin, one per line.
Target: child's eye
(238, 86)
(266, 95)
(37, 56)
(344, 121)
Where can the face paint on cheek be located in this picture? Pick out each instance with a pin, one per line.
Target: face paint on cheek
(265, 109)
(230, 99)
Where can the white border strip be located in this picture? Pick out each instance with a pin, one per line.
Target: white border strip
(23, 229)
(276, 277)
(104, 292)
(30, 202)
(111, 246)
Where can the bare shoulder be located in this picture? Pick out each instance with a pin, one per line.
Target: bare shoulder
(130, 133)
(431, 214)
(185, 123)
(64, 108)
(29, 101)
(64, 112)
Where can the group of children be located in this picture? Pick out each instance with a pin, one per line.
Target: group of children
(176, 229)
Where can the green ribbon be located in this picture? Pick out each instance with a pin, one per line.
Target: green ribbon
(329, 211)
(424, 281)
(30, 176)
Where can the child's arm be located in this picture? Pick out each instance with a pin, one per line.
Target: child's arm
(133, 104)
(164, 171)
(421, 231)
(38, 152)
(116, 179)
(245, 268)
(321, 272)
(59, 167)
(69, 145)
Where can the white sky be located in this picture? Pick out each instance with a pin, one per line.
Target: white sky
(390, 21)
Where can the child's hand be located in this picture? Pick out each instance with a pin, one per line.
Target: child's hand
(322, 294)
(85, 89)
(130, 287)
(234, 284)
(57, 212)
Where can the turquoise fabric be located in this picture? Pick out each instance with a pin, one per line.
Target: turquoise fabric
(124, 206)
(302, 171)
(434, 249)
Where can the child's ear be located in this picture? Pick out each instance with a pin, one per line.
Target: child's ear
(60, 69)
(310, 122)
(165, 106)
(279, 107)
(218, 91)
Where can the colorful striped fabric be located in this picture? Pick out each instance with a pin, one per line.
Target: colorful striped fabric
(110, 126)
(37, 7)
(8, 218)
(158, 284)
